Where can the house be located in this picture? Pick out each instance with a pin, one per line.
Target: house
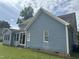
(13, 37)
(1, 35)
(47, 32)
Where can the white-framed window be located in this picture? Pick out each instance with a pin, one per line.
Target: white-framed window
(45, 36)
(17, 36)
(28, 36)
(6, 37)
(22, 38)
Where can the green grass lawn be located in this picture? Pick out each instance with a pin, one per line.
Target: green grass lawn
(75, 56)
(7, 52)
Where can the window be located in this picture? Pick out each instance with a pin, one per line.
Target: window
(23, 41)
(28, 37)
(6, 37)
(14, 37)
(45, 35)
(17, 36)
(22, 38)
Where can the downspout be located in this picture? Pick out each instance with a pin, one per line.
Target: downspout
(67, 41)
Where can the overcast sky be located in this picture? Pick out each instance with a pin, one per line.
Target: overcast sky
(10, 9)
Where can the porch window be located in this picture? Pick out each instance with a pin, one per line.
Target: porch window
(6, 37)
(22, 38)
(45, 36)
(17, 36)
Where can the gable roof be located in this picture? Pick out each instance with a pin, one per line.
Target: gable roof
(5, 29)
(1, 31)
(67, 17)
(55, 17)
(42, 10)
(15, 30)
(12, 30)
(70, 18)
(25, 22)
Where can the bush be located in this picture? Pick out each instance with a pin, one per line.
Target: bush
(76, 48)
(1, 38)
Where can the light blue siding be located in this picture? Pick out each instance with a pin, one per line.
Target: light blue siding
(7, 41)
(28, 44)
(13, 39)
(57, 34)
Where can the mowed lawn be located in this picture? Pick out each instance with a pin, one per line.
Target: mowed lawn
(7, 52)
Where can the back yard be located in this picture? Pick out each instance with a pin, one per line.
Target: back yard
(7, 52)
(19, 53)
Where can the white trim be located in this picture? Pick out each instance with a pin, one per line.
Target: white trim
(28, 36)
(42, 10)
(19, 38)
(16, 41)
(3, 38)
(22, 38)
(15, 36)
(10, 39)
(22, 32)
(25, 38)
(6, 29)
(67, 40)
(22, 44)
(44, 37)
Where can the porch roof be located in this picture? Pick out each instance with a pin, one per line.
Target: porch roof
(15, 30)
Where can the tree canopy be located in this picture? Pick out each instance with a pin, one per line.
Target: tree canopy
(25, 14)
(4, 24)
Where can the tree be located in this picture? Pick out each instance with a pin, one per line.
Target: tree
(26, 13)
(19, 21)
(78, 35)
(4, 24)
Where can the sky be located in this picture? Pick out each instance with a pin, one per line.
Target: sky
(10, 9)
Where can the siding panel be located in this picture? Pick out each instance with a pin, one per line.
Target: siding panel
(57, 35)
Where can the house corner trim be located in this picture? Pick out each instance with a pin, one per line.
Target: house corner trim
(67, 40)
